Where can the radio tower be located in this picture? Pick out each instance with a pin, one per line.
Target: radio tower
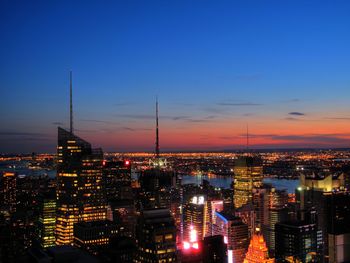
(157, 130)
(71, 103)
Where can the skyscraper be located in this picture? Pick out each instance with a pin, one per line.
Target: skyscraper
(248, 174)
(80, 194)
(338, 225)
(311, 197)
(47, 220)
(277, 212)
(79, 185)
(235, 234)
(194, 217)
(9, 190)
(117, 179)
(156, 236)
(295, 239)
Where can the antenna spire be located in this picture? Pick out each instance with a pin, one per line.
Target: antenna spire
(71, 102)
(247, 138)
(157, 130)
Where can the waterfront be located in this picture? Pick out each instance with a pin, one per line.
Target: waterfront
(21, 168)
(225, 182)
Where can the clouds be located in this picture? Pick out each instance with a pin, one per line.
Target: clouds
(338, 118)
(136, 116)
(135, 129)
(239, 104)
(296, 113)
(98, 121)
(14, 141)
(57, 123)
(320, 139)
(20, 133)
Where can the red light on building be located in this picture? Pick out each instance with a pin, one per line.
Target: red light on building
(192, 244)
(104, 162)
(127, 162)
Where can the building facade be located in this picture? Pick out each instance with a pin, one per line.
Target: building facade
(80, 196)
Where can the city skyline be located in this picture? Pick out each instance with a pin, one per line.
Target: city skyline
(280, 68)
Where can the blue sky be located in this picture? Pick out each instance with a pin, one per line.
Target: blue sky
(215, 66)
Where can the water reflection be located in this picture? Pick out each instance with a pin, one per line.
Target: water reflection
(225, 182)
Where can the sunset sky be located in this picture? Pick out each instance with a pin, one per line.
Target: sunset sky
(280, 67)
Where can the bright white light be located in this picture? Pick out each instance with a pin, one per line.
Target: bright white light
(230, 256)
(201, 200)
(225, 239)
(186, 245)
(193, 234)
(195, 245)
(194, 200)
(198, 200)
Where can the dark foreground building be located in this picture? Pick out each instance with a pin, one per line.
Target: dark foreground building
(156, 237)
(296, 239)
(214, 249)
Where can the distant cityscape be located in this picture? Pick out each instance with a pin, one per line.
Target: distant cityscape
(193, 132)
(84, 205)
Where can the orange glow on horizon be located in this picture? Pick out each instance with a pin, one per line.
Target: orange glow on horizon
(228, 134)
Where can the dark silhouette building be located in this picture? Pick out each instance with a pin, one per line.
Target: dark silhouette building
(117, 179)
(214, 249)
(295, 239)
(95, 235)
(156, 236)
(338, 225)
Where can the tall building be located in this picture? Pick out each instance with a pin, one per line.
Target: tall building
(80, 196)
(123, 213)
(194, 216)
(47, 220)
(247, 213)
(338, 225)
(311, 198)
(260, 201)
(235, 234)
(117, 179)
(211, 206)
(156, 236)
(277, 212)
(258, 251)
(248, 174)
(295, 239)
(9, 190)
(191, 251)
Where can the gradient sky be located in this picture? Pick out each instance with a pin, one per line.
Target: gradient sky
(282, 67)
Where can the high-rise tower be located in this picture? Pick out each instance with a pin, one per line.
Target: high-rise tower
(79, 183)
(248, 174)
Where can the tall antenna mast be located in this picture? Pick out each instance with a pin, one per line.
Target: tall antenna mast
(157, 130)
(247, 138)
(71, 102)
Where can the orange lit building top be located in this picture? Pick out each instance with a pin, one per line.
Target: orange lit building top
(258, 251)
(9, 174)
